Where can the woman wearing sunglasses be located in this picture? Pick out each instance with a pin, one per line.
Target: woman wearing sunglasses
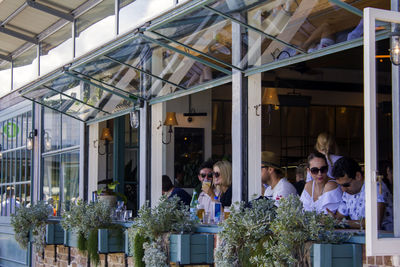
(320, 193)
(326, 145)
(222, 180)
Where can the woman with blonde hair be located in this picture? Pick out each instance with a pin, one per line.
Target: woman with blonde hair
(222, 180)
(326, 145)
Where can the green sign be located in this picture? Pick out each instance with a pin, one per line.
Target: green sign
(10, 129)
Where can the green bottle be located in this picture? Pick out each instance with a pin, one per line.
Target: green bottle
(193, 206)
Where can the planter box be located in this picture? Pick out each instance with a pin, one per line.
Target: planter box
(111, 241)
(192, 248)
(70, 239)
(331, 255)
(54, 234)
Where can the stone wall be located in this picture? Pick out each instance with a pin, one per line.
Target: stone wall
(379, 261)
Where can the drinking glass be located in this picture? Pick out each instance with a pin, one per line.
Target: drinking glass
(127, 215)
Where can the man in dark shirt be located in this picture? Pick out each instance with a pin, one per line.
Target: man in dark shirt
(170, 190)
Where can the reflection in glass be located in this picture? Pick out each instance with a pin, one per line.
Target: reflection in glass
(70, 176)
(56, 49)
(95, 27)
(141, 10)
(70, 131)
(25, 67)
(51, 126)
(51, 180)
(5, 77)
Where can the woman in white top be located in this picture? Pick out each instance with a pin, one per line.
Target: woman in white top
(320, 193)
(326, 145)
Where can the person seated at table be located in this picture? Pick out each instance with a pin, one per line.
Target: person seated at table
(300, 181)
(222, 180)
(348, 175)
(205, 177)
(271, 175)
(169, 190)
(326, 145)
(320, 194)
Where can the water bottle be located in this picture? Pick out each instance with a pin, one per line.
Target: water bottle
(193, 206)
(217, 210)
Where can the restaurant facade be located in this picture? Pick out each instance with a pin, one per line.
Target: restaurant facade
(100, 90)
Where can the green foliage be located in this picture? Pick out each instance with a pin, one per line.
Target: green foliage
(85, 219)
(33, 219)
(170, 216)
(274, 236)
(138, 250)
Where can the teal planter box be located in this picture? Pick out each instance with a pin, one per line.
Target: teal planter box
(332, 255)
(192, 248)
(70, 239)
(111, 241)
(54, 234)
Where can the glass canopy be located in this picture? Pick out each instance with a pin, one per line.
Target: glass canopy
(194, 49)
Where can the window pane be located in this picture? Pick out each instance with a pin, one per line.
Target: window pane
(70, 131)
(141, 10)
(56, 49)
(25, 68)
(70, 172)
(95, 27)
(51, 126)
(51, 180)
(5, 77)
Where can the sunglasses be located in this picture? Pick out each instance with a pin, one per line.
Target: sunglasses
(345, 184)
(315, 170)
(216, 174)
(203, 175)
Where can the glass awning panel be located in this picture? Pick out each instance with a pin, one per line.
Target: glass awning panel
(149, 66)
(203, 33)
(79, 98)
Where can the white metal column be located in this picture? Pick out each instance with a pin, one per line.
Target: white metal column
(157, 152)
(143, 154)
(254, 110)
(237, 117)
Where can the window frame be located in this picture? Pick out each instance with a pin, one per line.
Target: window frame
(376, 246)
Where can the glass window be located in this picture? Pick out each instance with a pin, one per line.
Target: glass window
(95, 27)
(141, 10)
(56, 49)
(15, 163)
(60, 167)
(25, 67)
(5, 77)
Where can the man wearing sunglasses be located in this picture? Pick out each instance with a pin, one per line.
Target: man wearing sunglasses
(349, 176)
(272, 176)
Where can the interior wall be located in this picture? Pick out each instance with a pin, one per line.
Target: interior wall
(201, 102)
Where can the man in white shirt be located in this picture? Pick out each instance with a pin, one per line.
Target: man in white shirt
(271, 175)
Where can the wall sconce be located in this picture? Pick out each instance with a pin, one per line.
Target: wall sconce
(134, 118)
(170, 121)
(270, 98)
(29, 140)
(106, 137)
(395, 46)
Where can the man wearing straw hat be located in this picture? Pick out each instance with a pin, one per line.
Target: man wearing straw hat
(271, 175)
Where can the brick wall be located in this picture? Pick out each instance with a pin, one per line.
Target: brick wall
(379, 261)
(77, 259)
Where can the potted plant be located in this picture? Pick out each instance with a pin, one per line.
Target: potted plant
(85, 219)
(31, 220)
(108, 194)
(266, 235)
(149, 235)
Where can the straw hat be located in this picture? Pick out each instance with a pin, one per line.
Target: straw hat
(269, 159)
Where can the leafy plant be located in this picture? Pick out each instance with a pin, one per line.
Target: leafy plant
(85, 219)
(33, 219)
(169, 216)
(274, 236)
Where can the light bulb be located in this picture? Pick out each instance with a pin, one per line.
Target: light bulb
(395, 48)
(47, 144)
(29, 143)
